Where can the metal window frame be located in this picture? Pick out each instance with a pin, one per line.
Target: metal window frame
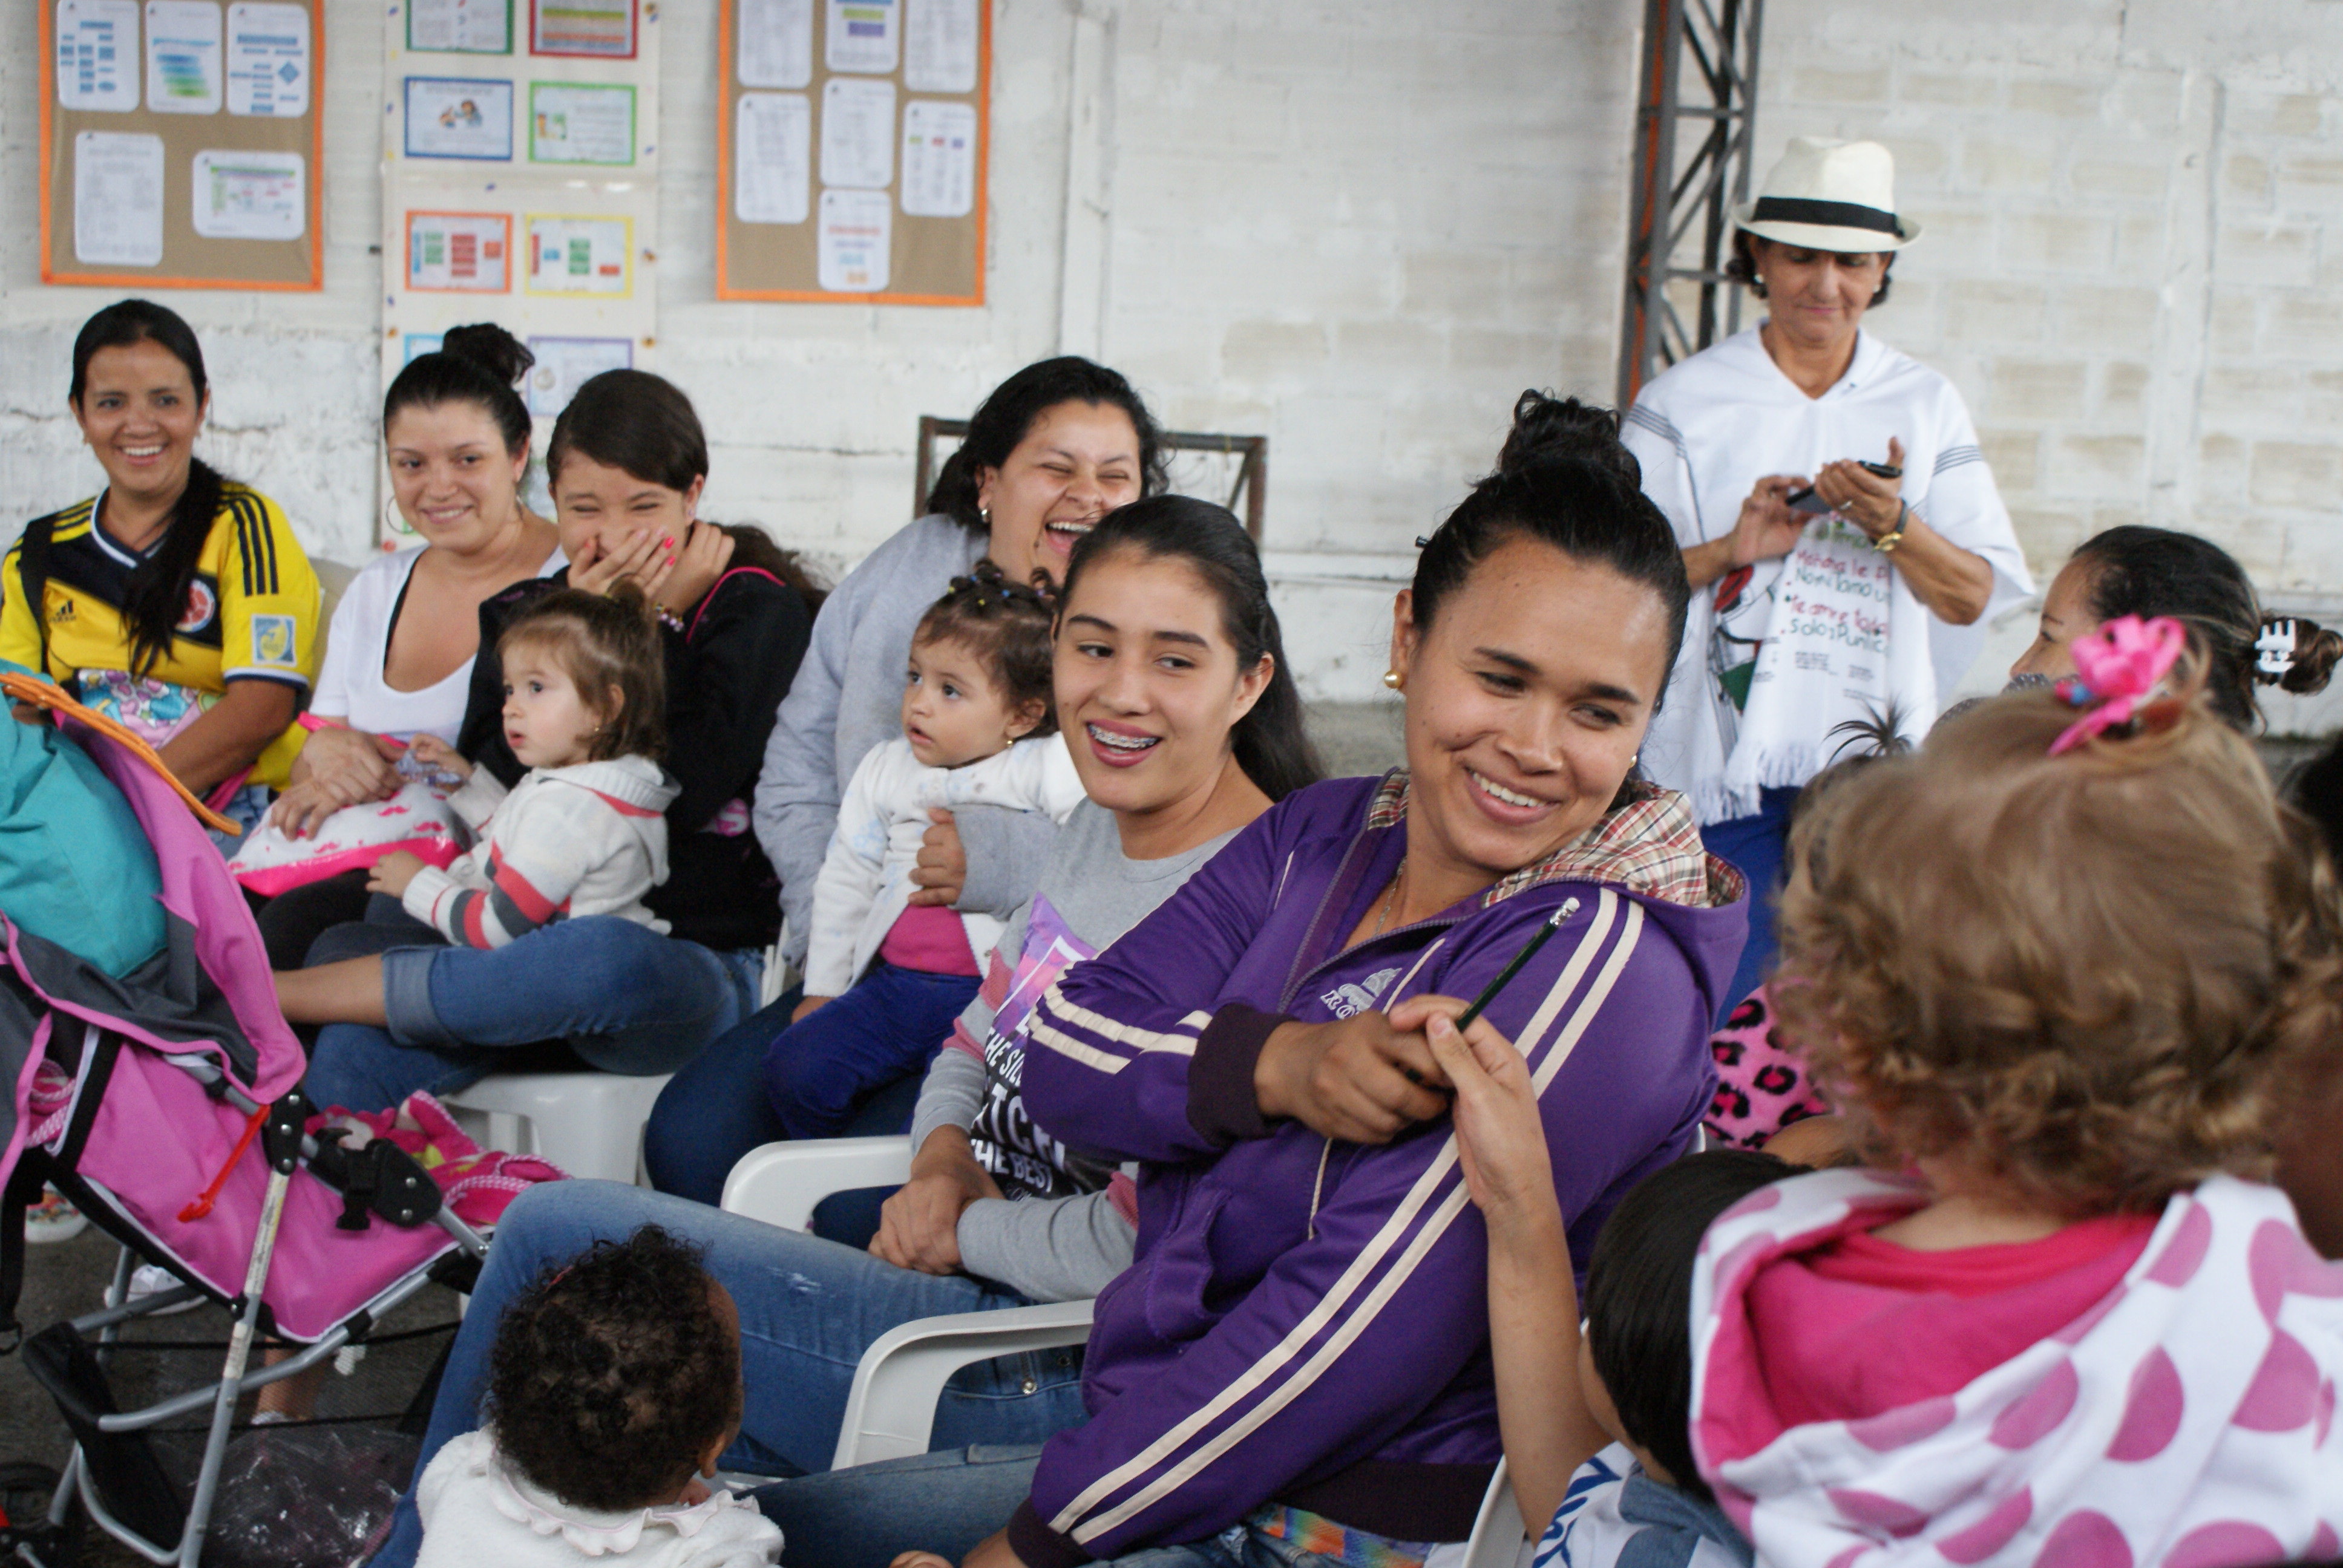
(1667, 203)
(1252, 469)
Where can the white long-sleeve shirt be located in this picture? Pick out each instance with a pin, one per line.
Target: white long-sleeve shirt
(866, 875)
(586, 839)
(475, 1510)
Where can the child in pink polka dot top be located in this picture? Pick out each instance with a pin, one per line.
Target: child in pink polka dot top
(2064, 996)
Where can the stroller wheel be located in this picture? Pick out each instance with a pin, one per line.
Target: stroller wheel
(26, 1533)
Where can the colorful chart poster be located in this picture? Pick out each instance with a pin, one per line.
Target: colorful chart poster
(852, 239)
(578, 123)
(776, 46)
(460, 117)
(249, 195)
(459, 26)
(118, 198)
(599, 29)
(268, 66)
(940, 46)
(566, 364)
(182, 57)
(858, 133)
(861, 35)
(458, 251)
(772, 141)
(98, 54)
(938, 158)
(591, 257)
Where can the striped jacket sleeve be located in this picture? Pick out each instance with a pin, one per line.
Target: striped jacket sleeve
(1368, 1319)
(519, 880)
(1108, 1062)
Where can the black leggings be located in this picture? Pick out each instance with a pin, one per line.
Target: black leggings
(297, 917)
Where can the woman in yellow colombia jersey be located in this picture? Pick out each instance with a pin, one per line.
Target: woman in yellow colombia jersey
(175, 600)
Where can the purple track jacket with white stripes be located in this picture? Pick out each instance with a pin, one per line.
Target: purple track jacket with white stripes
(1306, 1323)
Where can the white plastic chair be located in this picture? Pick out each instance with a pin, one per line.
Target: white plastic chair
(891, 1411)
(588, 1123)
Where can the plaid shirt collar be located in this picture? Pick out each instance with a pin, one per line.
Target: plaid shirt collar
(1650, 846)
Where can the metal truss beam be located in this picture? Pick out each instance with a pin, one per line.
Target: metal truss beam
(1696, 104)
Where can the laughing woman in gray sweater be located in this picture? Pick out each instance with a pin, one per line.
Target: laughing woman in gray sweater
(1053, 449)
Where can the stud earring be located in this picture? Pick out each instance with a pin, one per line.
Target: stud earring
(984, 515)
(1393, 678)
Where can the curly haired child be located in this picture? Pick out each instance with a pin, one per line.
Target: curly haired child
(613, 1387)
(888, 970)
(2060, 974)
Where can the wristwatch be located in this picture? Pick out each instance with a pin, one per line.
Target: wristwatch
(1886, 543)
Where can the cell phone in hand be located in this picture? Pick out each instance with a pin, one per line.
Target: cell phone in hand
(1805, 500)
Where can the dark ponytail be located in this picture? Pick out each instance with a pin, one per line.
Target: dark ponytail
(1562, 478)
(1006, 418)
(2143, 571)
(1270, 741)
(479, 365)
(156, 599)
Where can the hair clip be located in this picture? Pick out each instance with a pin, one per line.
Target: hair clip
(1422, 541)
(2276, 648)
(2118, 668)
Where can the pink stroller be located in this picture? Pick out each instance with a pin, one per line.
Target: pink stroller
(166, 1104)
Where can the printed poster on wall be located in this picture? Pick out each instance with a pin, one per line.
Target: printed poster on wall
(249, 195)
(566, 364)
(458, 251)
(98, 54)
(459, 26)
(268, 66)
(460, 117)
(940, 46)
(851, 244)
(182, 57)
(580, 123)
(938, 158)
(861, 35)
(776, 48)
(583, 257)
(596, 29)
(858, 133)
(118, 198)
(773, 149)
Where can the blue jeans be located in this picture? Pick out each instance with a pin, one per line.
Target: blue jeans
(887, 1026)
(1757, 845)
(809, 1309)
(625, 998)
(947, 1503)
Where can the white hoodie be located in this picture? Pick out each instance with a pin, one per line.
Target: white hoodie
(567, 842)
(2187, 1421)
(865, 877)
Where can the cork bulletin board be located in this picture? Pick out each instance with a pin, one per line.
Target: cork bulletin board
(181, 142)
(851, 139)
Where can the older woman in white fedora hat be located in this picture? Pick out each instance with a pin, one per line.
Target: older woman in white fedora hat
(1841, 529)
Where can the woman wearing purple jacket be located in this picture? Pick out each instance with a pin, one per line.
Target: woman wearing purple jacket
(1297, 1359)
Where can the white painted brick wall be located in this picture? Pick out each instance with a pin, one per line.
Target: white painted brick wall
(1362, 227)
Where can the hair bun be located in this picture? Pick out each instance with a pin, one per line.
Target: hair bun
(2309, 663)
(1546, 427)
(490, 347)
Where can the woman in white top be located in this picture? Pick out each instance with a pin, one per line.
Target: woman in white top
(398, 658)
(1826, 593)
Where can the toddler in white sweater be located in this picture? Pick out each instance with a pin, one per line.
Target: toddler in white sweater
(613, 1388)
(887, 972)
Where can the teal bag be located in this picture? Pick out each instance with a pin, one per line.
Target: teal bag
(76, 867)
